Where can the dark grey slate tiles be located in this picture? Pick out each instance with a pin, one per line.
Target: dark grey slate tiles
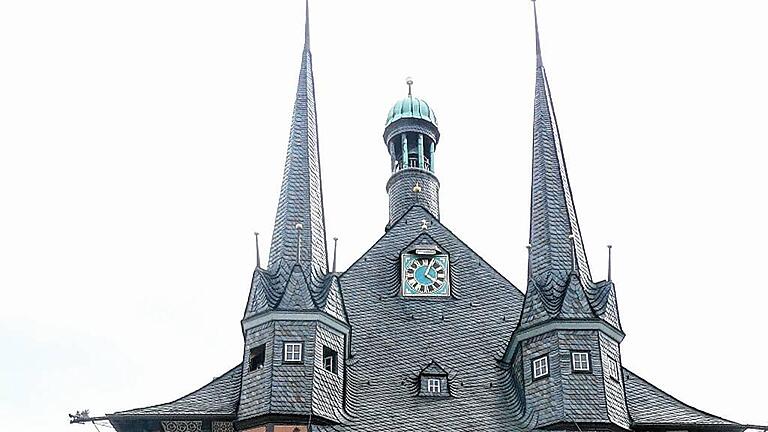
(650, 405)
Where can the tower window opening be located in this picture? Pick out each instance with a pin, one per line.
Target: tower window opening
(330, 360)
(580, 361)
(292, 352)
(256, 357)
(540, 367)
(613, 369)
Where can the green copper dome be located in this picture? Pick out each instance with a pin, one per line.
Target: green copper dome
(411, 107)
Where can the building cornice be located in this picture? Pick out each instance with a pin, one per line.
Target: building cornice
(521, 335)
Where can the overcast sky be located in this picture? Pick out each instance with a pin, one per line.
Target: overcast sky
(142, 143)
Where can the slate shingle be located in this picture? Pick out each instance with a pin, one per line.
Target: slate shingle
(649, 405)
(220, 397)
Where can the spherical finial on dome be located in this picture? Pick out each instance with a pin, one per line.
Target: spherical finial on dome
(411, 107)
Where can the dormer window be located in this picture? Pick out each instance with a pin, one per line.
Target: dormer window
(292, 352)
(256, 357)
(540, 367)
(580, 362)
(433, 381)
(433, 385)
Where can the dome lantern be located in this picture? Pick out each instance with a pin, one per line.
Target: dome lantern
(411, 136)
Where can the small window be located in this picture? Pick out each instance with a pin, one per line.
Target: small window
(540, 367)
(292, 352)
(580, 361)
(256, 358)
(330, 360)
(613, 369)
(433, 385)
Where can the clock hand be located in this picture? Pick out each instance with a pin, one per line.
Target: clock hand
(431, 278)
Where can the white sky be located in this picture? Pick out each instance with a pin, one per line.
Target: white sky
(142, 142)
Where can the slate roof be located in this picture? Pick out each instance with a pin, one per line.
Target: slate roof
(296, 277)
(556, 245)
(219, 398)
(463, 337)
(649, 405)
(393, 338)
(301, 199)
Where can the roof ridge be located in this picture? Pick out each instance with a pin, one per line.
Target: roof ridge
(458, 239)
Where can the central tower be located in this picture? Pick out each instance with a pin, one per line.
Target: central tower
(411, 136)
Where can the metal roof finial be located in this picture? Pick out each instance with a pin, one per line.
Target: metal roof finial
(409, 81)
(258, 256)
(335, 245)
(530, 271)
(609, 262)
(572, 240)
(299, 226)
(538, 44)
(306, 25)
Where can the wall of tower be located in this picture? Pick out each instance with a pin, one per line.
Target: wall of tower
(293, 395)
(402, 196)
(327, 386)
(543, 395)
(614, 389)
(256, 385)
(567, 396)
(583, 393)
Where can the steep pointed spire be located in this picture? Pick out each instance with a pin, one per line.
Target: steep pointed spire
(301, 199)
(559, 278)
(553, 214)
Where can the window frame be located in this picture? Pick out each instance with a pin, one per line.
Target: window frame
(437, 384)
(293, 344)
(545, 374)
(330, 353)
(574, 354)
(254, 353)
(613, 369)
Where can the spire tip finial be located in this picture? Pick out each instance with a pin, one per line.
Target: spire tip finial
(609, 262)
(258, 255)
(536, 27)
(306, 25)
(299, 226)
(335, 246)
(409, 81)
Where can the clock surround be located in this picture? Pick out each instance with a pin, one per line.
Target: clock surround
(425, 273)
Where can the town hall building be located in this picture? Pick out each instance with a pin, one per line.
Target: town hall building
(465, 350)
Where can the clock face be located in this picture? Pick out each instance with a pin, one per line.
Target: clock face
(425, 275)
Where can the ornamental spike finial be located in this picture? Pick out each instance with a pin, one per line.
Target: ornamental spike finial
(538, 44)
(528, 247)
(609, 262)
(335, 245)
(409, 81)
(258, 256)
(299, 226)
(306, 25)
